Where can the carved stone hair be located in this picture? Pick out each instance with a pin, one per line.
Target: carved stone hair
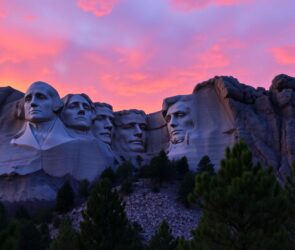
(103, 105)
(68, 97)
(119, 114)
(168, 102)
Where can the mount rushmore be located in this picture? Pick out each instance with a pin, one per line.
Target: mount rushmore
(46, 139)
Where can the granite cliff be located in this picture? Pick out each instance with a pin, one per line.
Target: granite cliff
(218, 113)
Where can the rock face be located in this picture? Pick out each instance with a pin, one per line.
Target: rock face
(45, 140)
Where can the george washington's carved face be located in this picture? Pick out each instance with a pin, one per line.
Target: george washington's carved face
(131, 132)
(39, 104)
(179, 121)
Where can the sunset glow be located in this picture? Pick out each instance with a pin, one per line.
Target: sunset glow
(134, 53)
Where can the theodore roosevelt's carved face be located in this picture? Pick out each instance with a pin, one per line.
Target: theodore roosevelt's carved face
(179, 121)
(41, 101)
(103, 124)
(131, 132)
(77, 113)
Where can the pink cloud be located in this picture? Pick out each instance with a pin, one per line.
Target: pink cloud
(97, 7)
(191, 5)
(30, 18)
(284, 55)
(214, 57)
(17, 45)
(3, 14)
(133, 57)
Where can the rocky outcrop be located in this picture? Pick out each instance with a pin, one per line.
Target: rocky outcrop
(149, 209)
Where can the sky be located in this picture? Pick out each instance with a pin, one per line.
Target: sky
(134, 53)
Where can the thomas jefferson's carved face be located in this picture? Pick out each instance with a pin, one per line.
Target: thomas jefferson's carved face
(131, 133)
(179, 121)
(103, 124)
(77, 113)
(39, 104)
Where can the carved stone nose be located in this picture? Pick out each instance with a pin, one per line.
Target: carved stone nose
(81, 112)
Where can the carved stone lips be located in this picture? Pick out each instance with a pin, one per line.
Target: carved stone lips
(33, 111)
(139, 142)
(106, 134)
(80, 118)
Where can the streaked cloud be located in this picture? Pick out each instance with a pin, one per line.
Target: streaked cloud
(97, 7)
(191, 5)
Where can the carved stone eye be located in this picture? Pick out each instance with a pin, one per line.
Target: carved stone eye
(41, 96)
(28, 98)
(143, 126)
(168, 118)
(100, 117)
(86, 106)
(180, 114)
(73, 105)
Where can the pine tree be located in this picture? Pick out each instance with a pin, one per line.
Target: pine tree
(84, 188)
(105, 224)
(9, 237)
(162, 239)
(243, 206)
(205, 165)
(22, 213)
(30, 237)
(183, 244)
(108, 173)
(67, 239)
(124, 175)
(182, 166)
(65, 198)
(159, 168)
(125, 171)
(290, 191)
(186, 188)
(3, 217)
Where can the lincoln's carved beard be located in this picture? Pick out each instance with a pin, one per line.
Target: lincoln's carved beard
(176, 140)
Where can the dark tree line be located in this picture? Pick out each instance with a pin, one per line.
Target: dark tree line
(243, 208)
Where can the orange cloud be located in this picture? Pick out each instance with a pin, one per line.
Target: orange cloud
(97, 7)
(284, 55)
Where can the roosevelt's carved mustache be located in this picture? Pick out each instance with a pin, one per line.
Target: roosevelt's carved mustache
(136, 142)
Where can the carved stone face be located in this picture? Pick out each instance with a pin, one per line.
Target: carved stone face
(77, 113)
(179, 121)
(39, 104)
(131, 133)
(103, 124)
